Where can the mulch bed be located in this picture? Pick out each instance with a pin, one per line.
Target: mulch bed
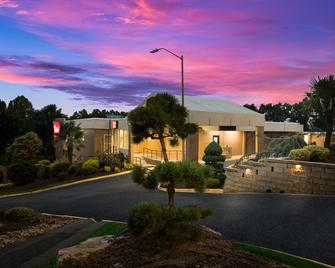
(211, 251)
(11, 232)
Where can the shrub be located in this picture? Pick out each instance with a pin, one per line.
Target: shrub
(3, 174)
(22, 173)
(318, 153)
(117, 170)
(91, 166)
(107, 169)
(281, 147)
(25, 148)
(300, 154)
(59, 167)
(43, 171)
(76, 168)
(44, 162)
(128, 166)
(113, 160)
(21, 214)
(61, 176)
(213, 183)
(332, 151)
(213, 154)
(159, 224)
(213, 157)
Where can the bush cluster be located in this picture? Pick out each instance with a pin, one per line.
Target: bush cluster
(310, 153)
(22, 214)
(159, 224)
(281, 147)
(213, 183)
(91, 166)
(22, 173)
(107, 169)
(300, 154)
(128, 166)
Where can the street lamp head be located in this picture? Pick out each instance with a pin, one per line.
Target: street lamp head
(154, 50)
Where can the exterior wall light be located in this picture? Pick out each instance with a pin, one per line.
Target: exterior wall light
(297, 169)
(248, 171)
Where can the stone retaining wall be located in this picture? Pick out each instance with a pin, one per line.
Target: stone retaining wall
(282, 175)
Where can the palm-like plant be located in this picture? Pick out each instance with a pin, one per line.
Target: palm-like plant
(73, 136)
(323, 94)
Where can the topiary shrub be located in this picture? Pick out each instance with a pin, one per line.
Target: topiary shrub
(213, 183)
(22, 173)
(162, 226)
(91, 166)
(300, 154)
(107, 169)
(59, 167)
(318, 153)
(76, 168)
(21, 214)
(281, 147)
(213, 157)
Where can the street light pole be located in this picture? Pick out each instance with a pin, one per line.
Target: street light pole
(182, 87)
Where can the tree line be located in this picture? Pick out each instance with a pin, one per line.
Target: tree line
(20, 117)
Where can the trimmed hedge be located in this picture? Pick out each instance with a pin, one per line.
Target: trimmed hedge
(22, 173)
(300, 155)
(59, 167)
(318, 153)
(22, 214)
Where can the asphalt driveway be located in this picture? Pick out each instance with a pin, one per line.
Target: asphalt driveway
(301, 225)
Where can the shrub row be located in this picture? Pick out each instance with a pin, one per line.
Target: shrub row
(26, 172)
(310, 153)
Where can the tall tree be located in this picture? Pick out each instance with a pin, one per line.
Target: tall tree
(73, 136)
(159, 118)
(43, 127)
(323, 94)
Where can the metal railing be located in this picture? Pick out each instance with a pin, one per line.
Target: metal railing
(137, 160)
(158, 155)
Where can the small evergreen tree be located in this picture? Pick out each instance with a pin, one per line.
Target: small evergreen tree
(171, 173)
(213, 157)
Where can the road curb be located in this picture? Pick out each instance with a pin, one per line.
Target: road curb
(67, 184)
(68, 216)
(191, 190)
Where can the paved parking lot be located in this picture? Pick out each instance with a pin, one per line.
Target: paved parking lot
(302, 225)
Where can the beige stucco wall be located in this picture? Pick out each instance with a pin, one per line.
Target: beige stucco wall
(230, 138)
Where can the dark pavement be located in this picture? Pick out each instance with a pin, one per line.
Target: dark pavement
(298, 224)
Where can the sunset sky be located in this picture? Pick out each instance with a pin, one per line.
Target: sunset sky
(95, 54)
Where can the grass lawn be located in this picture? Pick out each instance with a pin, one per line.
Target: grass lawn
(278, 256)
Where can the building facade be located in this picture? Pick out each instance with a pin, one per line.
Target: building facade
(238, 130)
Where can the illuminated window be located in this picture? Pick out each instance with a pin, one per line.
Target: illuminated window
(121, 144)
(107, 143)
(216, 138)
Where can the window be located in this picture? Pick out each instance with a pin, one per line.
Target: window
(121, 145)
(216, 138)
(107, 143)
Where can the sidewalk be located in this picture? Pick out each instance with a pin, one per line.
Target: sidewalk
(40, 250)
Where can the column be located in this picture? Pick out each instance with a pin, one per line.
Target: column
(259, 139)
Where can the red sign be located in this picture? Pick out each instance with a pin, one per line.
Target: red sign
(115, 124)
(56, 126)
